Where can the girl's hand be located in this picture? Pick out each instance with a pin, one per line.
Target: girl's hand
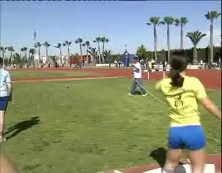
(10, 98)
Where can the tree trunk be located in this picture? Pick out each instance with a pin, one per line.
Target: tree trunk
(99, 53)
(69, 55)
(33, 60)
(195, 58)
(80, 46)
(181, 37)
(39, 56)
(155, 43)
(3, 54)
(168, 42)
(87, 54)
(60, 53)
(3, 57)
(211, 42)
(26, 59)
(47, 55)
(11, 58)
(103, 52)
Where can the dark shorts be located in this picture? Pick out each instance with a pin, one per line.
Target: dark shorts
(3, 103)
(187, 137)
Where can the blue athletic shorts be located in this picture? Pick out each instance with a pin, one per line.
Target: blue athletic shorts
(3, 103)
(187, 137)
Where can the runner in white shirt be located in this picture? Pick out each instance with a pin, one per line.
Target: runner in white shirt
(5, 96)
(137, 74)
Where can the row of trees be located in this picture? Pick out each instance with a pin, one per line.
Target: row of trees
(95, 52)
(82, 45)
(15, 58)
(194, 37)
(202, 54)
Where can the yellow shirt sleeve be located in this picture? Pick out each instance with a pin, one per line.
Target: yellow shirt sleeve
(200, 91)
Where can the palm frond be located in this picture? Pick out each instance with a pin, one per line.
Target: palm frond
(161, 23)
(87, 43)
(211, 15)
(195, 37)
(168, 20)
(177, 22)
(154, 20)
(183, 20)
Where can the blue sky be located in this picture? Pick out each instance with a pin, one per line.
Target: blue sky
(122, 22)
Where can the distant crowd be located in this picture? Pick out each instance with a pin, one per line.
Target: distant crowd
(153, 65)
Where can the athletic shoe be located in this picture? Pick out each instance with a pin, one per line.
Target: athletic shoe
(144, 95)
(130, 94)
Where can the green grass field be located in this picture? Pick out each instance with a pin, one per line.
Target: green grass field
(89, 126)
(37, 74)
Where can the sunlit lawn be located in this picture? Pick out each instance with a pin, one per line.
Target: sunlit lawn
(89, 126)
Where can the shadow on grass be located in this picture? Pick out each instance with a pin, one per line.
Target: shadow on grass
(159, 155)
(21, 126)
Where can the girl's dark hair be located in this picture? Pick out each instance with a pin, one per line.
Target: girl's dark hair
(178, 64)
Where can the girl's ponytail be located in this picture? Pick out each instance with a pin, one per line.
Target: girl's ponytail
(178, 64)
(177, 79)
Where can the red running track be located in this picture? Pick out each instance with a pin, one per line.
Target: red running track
(210, 78)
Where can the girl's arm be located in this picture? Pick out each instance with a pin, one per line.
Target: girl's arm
(205, 101)
(211, 107)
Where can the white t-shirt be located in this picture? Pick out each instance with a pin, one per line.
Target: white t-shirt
(4, 79)
(137, 74)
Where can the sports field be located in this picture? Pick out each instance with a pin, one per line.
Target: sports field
(87, 126)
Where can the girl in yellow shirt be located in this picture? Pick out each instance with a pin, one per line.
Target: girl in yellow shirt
(183, 93)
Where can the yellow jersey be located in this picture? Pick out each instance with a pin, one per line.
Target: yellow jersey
(183, 101)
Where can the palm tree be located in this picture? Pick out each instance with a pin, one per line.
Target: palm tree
(104, 40)
(47, 45)
(68, 43)
(212, 15)
(87, 48)
(98, 40)
(155, 21)
(195, 38)
(59, 46)
(38, 45)
(94, 54)
(31, 56)
(108, 58)
(79, 41)
(11, 50)
(24, 49)
(181, 22)
(17, 59)
(168, 20)
(84, 45)
(141, 52)
(2, 49)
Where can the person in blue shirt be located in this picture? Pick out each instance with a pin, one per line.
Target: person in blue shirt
(5, 96)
